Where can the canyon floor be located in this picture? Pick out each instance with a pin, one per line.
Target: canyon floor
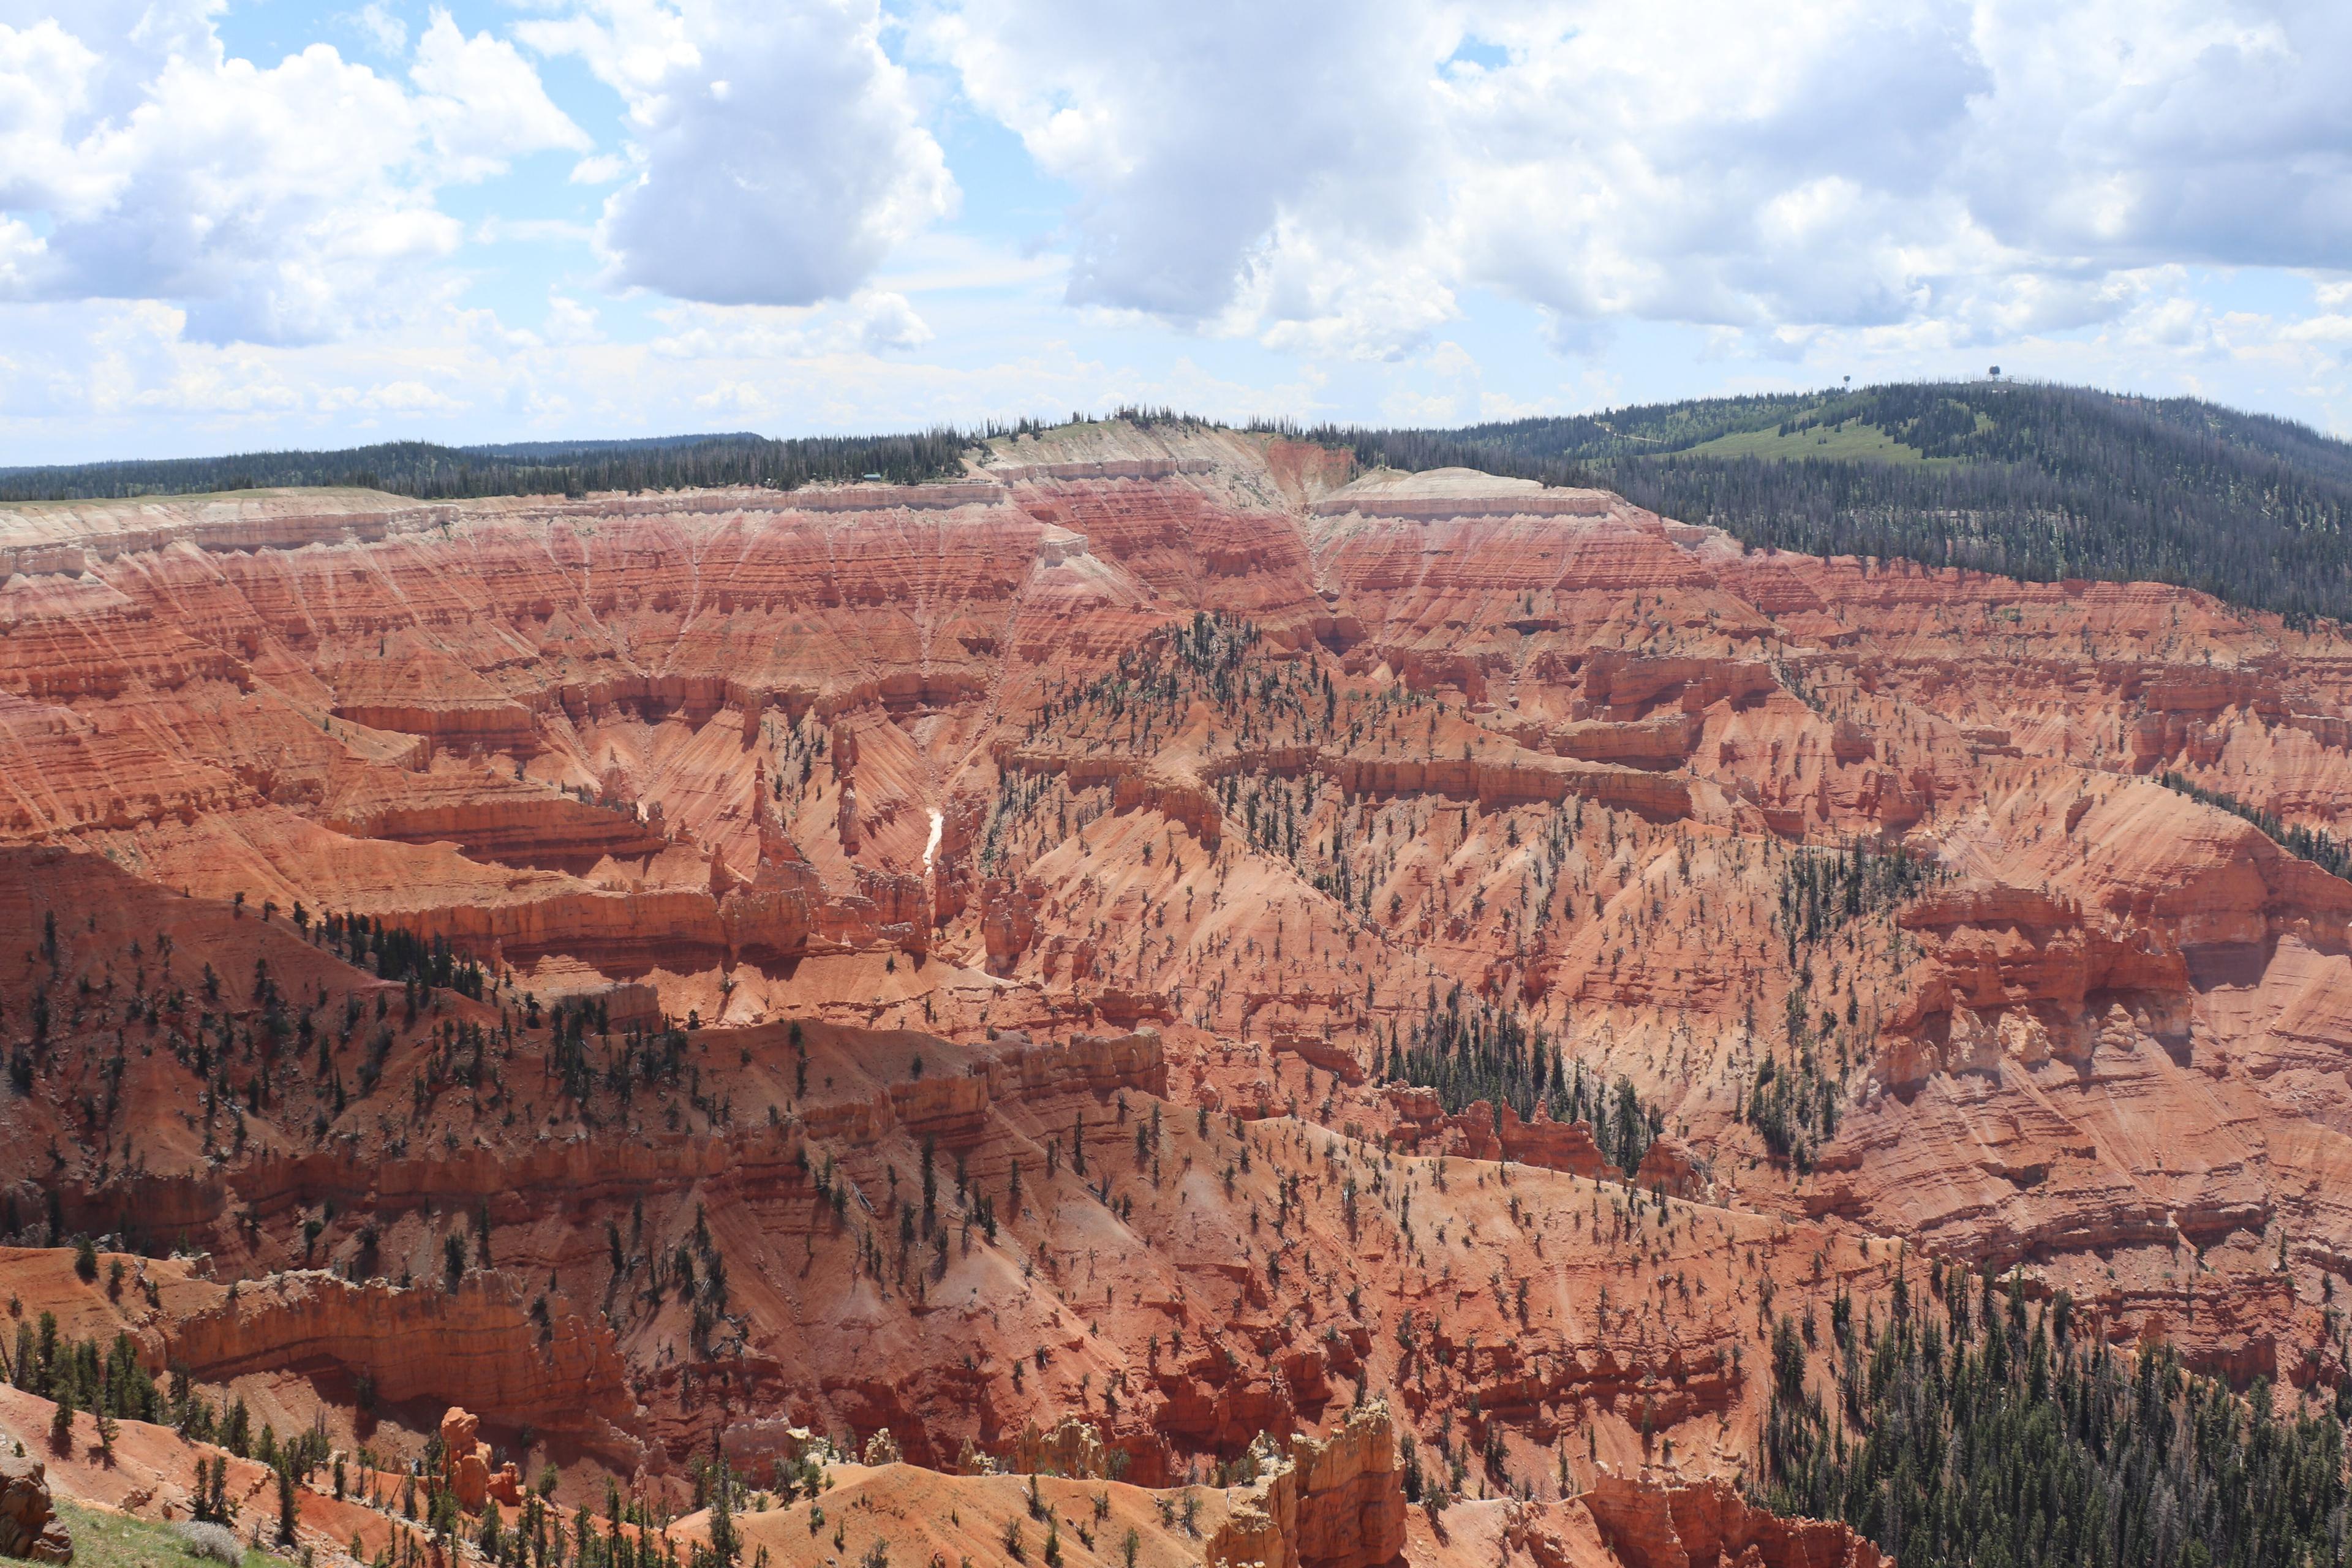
(1170, 1000)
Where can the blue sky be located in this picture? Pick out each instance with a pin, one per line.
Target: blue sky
(264, 223)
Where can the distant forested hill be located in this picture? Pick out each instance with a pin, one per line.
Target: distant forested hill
(526, 467)
(2037, 481)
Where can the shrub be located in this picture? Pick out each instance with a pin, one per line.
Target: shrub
(213, 1542)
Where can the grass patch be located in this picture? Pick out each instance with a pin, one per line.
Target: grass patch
(1853, 441)
(103, 1540)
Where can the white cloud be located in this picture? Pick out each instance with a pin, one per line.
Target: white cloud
(1235, 156)
(778, 152)
(887, 321)
(495, 230)
(411, 397)
(735, 397)
(284, 204)
(1271, 207)
(2168, 129)
(384, 32)
(870, 320)
(569, 322)
(1329, 185)
(602, 169)
(482, 103)
(22, 254)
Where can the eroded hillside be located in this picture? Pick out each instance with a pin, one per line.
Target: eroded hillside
(1163, 941)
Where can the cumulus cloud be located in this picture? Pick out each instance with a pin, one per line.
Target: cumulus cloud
(482, 103)
(384, 31)
(2160, 129)
(1992, 165)
(198, 250)
(602, 169)
(778, 151)
(871, 321)
(570, 321)
(280, 204)
(1232, 153)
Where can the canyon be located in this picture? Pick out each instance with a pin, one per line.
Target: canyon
(1169, 994)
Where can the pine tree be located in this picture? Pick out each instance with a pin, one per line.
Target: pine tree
(726, 1548)
(289, 1506)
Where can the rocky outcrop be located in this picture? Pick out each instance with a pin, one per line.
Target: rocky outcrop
(480, 1343)
(792, 915)
(1493, 782)
(1135, 784)
(1622, 686)
(1664, 741)
(29, 1528)
(2014, 973)
(1670, 1165)
(1481, 1131)
(466, 1465)
(1331, 1502)
(1652, 1525)
(1008, 920)
(1073, 1447)
(551, 832)
(1321, 1051)
(1525, 779)
(1095, 1064)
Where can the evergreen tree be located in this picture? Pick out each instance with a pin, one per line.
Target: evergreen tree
(289, 1506)
(1994, 1437)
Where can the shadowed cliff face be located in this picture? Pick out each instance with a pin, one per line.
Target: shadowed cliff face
(1165, 933)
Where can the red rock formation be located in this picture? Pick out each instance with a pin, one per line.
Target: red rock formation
(1482, 1132)
(1649, 1525)
(466, 1465)
(464, 1459)
(28, 1526)
(811, 840)
(1074, 1447)
(480, 1341)
(1333, 1503)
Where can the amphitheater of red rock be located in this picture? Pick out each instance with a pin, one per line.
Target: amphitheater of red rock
(944, 955)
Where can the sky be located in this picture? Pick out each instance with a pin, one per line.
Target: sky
(239, 225)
